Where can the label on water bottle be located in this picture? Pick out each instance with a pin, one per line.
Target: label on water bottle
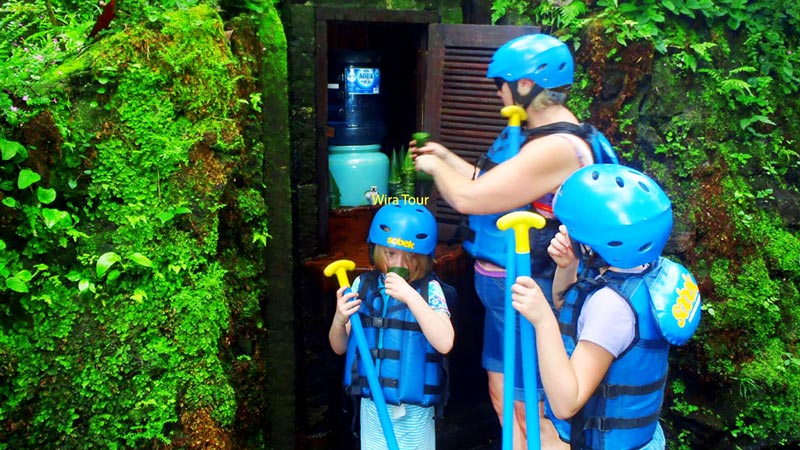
(362, 80)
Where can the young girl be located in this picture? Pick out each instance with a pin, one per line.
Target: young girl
(407, 325)
(605, 376)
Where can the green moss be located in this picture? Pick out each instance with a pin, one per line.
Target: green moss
(149, 140)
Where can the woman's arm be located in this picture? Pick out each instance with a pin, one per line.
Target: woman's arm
(539, 168)
(458, 164)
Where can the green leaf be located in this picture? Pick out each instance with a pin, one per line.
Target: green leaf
(113, 275)
(73, 275)
(2, 244)
(10, 202)
(83, 285)
(139, 295)
(24, 275)
(10, 149)
(45, 195)
(140, 259)
(53, 217)
(27, 177)
(165, 216)
(17, 285)
(105, 262)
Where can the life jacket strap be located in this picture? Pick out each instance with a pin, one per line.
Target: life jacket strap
(605, 424)
(394, 383)
(616, 390)
(380, 322)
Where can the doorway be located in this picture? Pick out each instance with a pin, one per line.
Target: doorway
(432, 79)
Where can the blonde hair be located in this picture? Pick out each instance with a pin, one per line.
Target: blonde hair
(418, 265)
(548, 98)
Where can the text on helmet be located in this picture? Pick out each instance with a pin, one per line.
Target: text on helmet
(398, 242)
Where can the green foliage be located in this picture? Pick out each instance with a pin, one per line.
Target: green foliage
(115, 301)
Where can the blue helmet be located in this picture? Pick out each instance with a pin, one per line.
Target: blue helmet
(619, 212)
(404, 226)
(539, 57)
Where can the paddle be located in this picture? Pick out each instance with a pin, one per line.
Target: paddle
(340, 268)
(521, 222)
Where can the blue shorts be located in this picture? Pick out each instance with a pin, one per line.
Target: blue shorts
(491, 291)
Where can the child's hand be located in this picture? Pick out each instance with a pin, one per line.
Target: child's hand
(527, 298)
(398, 288)
(560, 249)
(345, 307)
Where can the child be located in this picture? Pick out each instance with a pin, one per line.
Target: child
(605, 376)
(407, 325)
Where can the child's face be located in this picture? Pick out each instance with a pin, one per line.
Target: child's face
(394, 258)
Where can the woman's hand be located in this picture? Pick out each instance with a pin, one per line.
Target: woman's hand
(527, 298)
(346, 306)
(428, 156)
(398, 288)
(430, 148)
(560, 249)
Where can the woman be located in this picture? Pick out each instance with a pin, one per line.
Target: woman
(529, 72)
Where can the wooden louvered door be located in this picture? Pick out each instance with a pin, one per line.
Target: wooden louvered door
(461, 107)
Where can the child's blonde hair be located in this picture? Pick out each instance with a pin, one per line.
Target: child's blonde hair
(418, 265)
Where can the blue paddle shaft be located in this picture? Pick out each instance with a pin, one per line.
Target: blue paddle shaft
(529, 375)
(372, 378)
(509, 349)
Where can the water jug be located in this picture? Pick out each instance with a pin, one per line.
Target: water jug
(361, 172)
(355, 111)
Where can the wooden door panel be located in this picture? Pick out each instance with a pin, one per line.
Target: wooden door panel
(461, 108)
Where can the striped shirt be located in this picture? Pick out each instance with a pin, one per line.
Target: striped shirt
(413, 426)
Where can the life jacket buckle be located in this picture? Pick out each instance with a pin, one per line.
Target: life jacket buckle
(608, 391)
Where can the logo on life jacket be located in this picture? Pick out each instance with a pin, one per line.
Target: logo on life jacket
(400, 243)
(684, 306)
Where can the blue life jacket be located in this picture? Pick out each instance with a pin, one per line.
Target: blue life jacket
(410, 370)
(623, 412)
(487, 242)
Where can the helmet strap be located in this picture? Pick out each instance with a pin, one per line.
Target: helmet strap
(587, 256)
(524, 100)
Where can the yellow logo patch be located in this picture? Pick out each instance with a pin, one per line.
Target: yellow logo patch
(687, 297)
(400, 243)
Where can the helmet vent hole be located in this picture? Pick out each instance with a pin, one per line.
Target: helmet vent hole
(385, 228)
(595, 175)
(646, 247)
(615, 244)
(541, 68)
(422, 235)
(562, 67)
(644, 187)
(620, 182)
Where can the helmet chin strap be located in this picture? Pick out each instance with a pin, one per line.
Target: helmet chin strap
(588, 257)
(524, 100)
